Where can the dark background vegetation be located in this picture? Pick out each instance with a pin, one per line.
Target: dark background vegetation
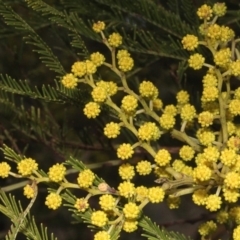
(65, 131)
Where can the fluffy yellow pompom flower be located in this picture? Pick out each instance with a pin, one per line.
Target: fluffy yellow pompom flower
(210, 80)
(219, 9)
(129, 103)
(110, 87)
(126, 189)
(149, 132)
(144, 167)
(99, 94)
(205, 12)
(199, 197)
(170, 109)
(125, 64)
(91, 68)
(232, 180)
(107, 202)
(53, 201)
(186, 153)
(207, 228)
(85, 178)
(206, 137)
(4, 169)
(130, 225)
(92, 110)
(213, 202)
(56, 172)
(188, 112)
(157, 104)
(234, 107)
(27, 166)
(214, 32)
(182, 97)
(97, 58)
(115, 40)
(141, 193)
(28, 191)
(148, 90)
(69, 81)
(210, 93)
(125, 151)
(99, 218)
(228, 157)
(81, 204)
(196, 61)
(102, 235)
(131, 210)
(79, 69)
(126, 171)
(230, 195)
(156, 194)
(98, 26)
(205, 118)
(236, 233)
(211, 153)
(190, 42)
(167, 121)
(122, 53)
(112, 130)
(222, 217)
(163, 157)
(202, 173)
(223, 57)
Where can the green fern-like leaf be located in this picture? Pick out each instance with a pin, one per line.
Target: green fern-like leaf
(31, 37)
(153, 232)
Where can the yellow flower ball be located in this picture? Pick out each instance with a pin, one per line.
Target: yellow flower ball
(112, 130)
(99, 218)
(125, 151)
(92, 110)
(129, 104)
(85, 178)
(202, 173)
(4, 169)
(107, 202)
(130, 225)
(115, 40)
(102, 235)
(27, 166)
(188, 112)
(126, 171)
(99, 94)
(190, 42)
(69, 81)
(219, 9)
(28, 191)
(156, 194)
(57, 172)
(205, 118)
(205, 12)
(97, 58)
(207, 228)
(81, 204)
(125, 64)
(196, 61)
(163, 157)
(213, 202)
(149, 132)
(167, 121)
(98, 26)
(126, 189)
(53, 201)
(79, 69)
(148, 90)
(131, 210)
(182, 97)
(186, 153)
(144, 167)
